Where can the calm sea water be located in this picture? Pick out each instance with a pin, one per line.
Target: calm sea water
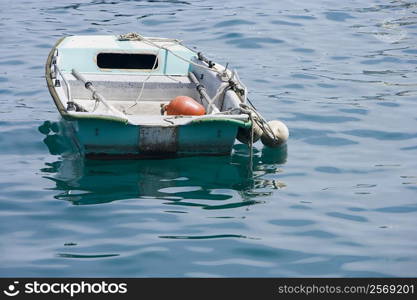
(340, 201)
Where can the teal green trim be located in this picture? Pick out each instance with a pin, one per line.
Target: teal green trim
(239, 123)
(70, 117)
(102, 136)
(219, 121)
(107, 137)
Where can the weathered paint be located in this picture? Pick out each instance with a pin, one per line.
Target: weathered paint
(156, 139)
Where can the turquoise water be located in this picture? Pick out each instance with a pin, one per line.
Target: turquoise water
(341, 200)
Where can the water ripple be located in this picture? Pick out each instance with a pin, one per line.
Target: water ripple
(338, 201)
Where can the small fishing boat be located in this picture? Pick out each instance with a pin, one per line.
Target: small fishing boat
(134, 96)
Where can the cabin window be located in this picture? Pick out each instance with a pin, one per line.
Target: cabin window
(127, 61)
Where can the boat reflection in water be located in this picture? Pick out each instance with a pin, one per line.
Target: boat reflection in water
(180, 180)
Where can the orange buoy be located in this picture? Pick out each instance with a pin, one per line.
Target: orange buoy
(184, 105)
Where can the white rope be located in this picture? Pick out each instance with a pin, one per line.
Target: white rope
(143, 84)
(182, 58)
(133, 36)
(149, 76)
(220, 91)
(260, 121)
(251, 145)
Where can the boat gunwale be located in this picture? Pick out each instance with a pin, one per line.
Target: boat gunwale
(49, 82)
(240, 123)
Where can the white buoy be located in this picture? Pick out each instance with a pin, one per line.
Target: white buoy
(281, 134)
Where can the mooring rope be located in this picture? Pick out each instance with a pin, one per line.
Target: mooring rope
(133, 36)
(251, 111)
(260, 121)
(251, 145)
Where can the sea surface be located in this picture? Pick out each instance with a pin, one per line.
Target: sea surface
(340, 200)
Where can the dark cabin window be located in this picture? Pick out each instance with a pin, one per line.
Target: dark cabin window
(126, 61)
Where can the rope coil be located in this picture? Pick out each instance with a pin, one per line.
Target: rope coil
(256, 117)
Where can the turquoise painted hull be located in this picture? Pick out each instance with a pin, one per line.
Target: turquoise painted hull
(100, 138)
